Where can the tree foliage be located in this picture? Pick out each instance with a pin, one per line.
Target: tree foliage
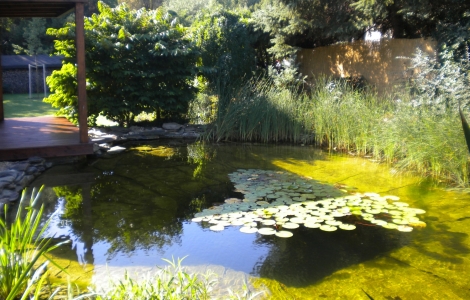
(312, 23)
(229, 48)
(137, 61)
(27, 36)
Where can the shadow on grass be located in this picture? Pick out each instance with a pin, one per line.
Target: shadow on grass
(20, 106)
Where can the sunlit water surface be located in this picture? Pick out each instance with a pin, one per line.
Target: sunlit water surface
(129, 211)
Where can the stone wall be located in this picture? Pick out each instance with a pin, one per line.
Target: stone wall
(16, 81)
(380, 63)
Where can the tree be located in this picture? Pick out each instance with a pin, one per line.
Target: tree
(312, 23)
(137, 61)
(230, 49)
(28, 36)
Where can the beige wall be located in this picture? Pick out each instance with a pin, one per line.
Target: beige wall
(378, 62)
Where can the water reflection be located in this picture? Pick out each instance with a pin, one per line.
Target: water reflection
(311, 255)
(136, 208)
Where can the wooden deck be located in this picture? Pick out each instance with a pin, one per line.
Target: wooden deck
(47, 136)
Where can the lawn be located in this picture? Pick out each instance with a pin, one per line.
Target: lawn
(20, 105)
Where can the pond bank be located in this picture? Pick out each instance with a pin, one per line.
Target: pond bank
(15, 176)
(108, 140)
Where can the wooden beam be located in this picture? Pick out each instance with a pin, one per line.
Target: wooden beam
(39, 2)
(48, 151)
(81, 76)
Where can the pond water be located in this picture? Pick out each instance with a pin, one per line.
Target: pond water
(129, 211)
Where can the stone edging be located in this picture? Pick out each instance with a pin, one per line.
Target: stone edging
(107, 139)
(15, 176)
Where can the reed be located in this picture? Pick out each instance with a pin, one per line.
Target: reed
(170, 283)
(21, 246)
(346, 119)
(333, 115)
(426, 143)
(261, 112)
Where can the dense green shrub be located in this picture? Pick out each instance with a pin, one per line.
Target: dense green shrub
(137, 61)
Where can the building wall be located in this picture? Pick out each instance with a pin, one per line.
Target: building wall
(380, 63)
(16, 81)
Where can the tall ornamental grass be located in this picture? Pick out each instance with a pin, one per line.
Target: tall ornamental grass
(394, 129)
(412, 138)
(262, 112)
(419, 140)
(345, 119)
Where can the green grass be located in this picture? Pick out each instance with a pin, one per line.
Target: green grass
(20, 105)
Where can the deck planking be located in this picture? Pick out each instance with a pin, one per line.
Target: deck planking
(46, 136)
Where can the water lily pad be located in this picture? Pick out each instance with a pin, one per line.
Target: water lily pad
(391, 197)
(217, 228)
(290, 225)
(196, 219)
(246, 229)
(417, 210)
(404, 228)
(338, 214)
(347, 226)
(400, 221)
(378, 222)
(372, 211)
(266, 231)
(369, 194)
(312, 225)
(411, 219)
(268, 222)
(378, 199)
(327, 217)
(237, 222)
(232, 200)
(297, 220)
(328, 228)
(390, 226)
(333, 222)
(401, 204)
(419, 224)
(284, 234)
(250, 224)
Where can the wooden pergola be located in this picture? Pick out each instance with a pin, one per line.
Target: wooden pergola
(50, 9)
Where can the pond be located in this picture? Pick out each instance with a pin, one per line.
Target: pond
(129, 211)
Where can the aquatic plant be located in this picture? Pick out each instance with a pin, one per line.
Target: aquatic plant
(345, 119)
(22, 245)
(172, 282)
(261, 111)
(276, 201)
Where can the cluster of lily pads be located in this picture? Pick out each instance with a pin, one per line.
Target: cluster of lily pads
(274, 201)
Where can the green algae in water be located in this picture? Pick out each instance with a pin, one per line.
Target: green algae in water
(277, 205)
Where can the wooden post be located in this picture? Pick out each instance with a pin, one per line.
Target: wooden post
(2, 114)
(81, 76)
